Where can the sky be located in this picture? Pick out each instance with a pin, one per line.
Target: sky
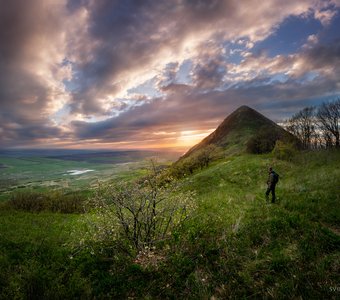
(142, 74)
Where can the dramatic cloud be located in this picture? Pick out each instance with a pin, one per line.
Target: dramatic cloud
(32, 49)
(139, 73)
(134, 40)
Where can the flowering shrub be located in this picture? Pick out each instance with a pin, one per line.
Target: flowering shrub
(142, 213)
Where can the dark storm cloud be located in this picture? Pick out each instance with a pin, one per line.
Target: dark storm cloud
(322, 56)
(173, 113)
(26, 132)
(99, 48)
(119, 36)
(122, 30)
(210, 74)
(169, 75)
(24, 95)
(130, 34)
(185, 108)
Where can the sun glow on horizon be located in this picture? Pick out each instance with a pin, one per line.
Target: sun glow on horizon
(168, 141)
(189, 138)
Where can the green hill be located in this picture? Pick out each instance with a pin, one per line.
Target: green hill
(237, 129)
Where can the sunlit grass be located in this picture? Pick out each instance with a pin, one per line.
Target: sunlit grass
(235, 246)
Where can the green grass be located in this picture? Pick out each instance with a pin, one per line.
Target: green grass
(34, 256)
(248, 248)
(235, 246)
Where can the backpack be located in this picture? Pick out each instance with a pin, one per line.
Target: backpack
(275, 177)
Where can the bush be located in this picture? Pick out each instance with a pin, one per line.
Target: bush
(55, 202)
(284, 151)
(264, 141)
(199, 159)
(142, 213)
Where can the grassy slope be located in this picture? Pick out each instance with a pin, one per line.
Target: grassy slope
(246, 247)
(34, 256)
(235, 246)
(238, 246)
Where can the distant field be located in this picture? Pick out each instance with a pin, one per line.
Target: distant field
(70, 170)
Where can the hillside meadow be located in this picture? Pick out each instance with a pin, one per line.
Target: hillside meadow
(234, 245)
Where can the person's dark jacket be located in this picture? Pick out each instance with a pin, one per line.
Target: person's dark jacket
(271, 178)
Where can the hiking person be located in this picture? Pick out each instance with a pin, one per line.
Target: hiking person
(273, 179)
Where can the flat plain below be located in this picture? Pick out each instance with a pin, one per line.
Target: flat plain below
(70, 170)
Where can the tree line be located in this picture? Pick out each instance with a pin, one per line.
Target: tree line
(317, 126)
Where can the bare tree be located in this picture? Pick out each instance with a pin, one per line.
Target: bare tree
(328, 116)
(302, 125)
(143, 212)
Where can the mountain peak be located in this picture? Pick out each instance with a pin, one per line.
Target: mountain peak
(236, 130)
(243, 108)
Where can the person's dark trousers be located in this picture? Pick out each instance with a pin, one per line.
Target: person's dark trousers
(271, 189)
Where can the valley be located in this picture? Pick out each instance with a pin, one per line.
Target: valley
(70, 170)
